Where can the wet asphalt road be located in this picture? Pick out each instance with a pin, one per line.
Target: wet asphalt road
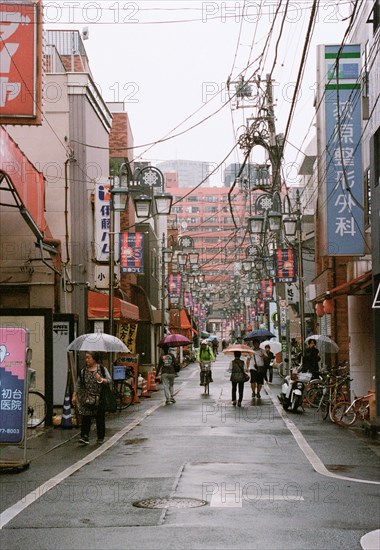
(235, 478)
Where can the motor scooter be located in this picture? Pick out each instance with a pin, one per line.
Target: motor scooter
(293, 390)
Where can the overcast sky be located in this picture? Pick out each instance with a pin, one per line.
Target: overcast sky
(169, 62)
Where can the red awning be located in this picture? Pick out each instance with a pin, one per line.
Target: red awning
(351, 287)
(185, 323)
(98, 308)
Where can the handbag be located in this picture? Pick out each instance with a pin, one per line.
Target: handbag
(246, 376)
(109, 399)
(91, 400)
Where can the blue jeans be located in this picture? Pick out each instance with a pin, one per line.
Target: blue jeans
(168, 384)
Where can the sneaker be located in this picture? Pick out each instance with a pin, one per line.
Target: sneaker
(234, 403)
(84, 440)
(172, 400)
(168, 402)
(100, 441)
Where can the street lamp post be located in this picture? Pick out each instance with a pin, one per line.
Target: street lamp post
(166, 258)
(275, 215)
(148, 177)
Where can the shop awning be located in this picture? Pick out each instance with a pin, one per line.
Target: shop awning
(353, 286)
(180, 324)
(98, 307)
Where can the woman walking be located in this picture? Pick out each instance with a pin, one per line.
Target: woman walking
(238, 377)
(88, 396)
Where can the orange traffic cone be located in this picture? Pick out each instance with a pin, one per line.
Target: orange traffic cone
(152, 384)
(144, 388)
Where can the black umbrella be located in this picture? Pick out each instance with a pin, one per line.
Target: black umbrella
(260, 334)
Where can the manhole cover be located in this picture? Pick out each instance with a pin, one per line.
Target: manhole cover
(169, 502)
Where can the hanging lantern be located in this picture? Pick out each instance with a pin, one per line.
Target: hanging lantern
(319, 309)
(328, 305)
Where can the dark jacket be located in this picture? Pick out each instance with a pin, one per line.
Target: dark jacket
(237, 370)
(310, 360)
(166, 364)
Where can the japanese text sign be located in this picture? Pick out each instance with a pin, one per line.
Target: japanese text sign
(20, 63)
(344, 182)
(13, 383)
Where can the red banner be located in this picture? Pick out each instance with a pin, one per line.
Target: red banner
(266, 289)
(132, 252)
(175, 285)
(286, 265)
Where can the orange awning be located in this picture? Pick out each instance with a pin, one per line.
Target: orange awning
(98, 308)
(351, 287)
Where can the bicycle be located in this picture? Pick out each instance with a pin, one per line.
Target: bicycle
(206, 370)
(331, 395)
(36, 409)
(316, 387)
(346, 413)
(124, 391)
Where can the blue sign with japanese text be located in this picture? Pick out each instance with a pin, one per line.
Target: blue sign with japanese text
(344, 180)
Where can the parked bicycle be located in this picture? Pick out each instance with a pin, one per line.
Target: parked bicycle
(346, 413)
(332, 394)
(338, 380)
(36, 409)
(123, 390)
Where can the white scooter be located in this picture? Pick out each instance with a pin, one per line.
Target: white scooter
(293, 390)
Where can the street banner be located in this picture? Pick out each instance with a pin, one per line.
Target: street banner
(260, 306)
(132, 252)
(266, 286)
(188, 300)
(286, 265)
(175, 286)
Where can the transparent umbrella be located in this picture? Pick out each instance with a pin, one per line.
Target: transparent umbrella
(324, 343)
(97, 341)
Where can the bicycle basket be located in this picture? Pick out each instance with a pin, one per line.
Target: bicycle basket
(304, 377)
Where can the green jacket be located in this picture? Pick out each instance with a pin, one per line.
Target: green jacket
(205, 354)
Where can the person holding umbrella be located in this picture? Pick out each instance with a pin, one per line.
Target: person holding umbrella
(88, 393)
(166, 369)
(238, 377)
(256, 369)
(311, 358)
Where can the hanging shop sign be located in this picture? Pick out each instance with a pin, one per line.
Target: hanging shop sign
(20, 63)
(343, 133)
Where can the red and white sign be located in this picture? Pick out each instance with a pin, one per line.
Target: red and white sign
(20, 63)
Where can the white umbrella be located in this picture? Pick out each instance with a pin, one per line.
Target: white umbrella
(275, 347)
(324, 343)
(97, 341)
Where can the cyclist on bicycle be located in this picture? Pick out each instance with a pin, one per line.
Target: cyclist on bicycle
(204, 355)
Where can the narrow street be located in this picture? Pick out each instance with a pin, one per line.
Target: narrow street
(249, 478)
